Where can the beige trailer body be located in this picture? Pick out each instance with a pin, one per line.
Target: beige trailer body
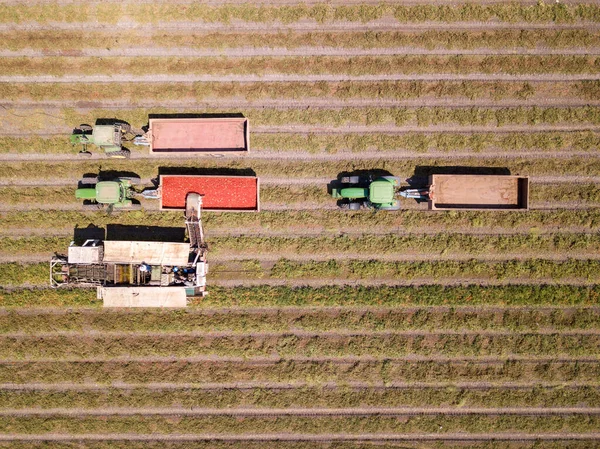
(142, 296)
(198, 135)
(478, 192)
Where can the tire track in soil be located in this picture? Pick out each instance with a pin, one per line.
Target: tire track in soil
(325, 412)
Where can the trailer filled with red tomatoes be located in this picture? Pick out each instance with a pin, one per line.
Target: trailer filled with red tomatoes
(219, 193)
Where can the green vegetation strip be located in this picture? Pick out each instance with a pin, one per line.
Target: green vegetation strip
(308, 396)
(136, 93)
(384, 296)
(281, 169)
(239, 320)
(13, 274)
(67, 40)
(310, 371)
(512, 270)
(63, 222)
(301, 65)
(176, 424)
(420, 143)
(321, 13)
(106, 347)
(446, 244)
(370, 116)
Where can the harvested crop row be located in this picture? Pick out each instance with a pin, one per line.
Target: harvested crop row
(280, 169)
(313, 372)
(66, 40)
(104, 348)
(443, 244)
(556, 119)
(381, 296)
(350, 271)
(239, 320)
(52, 223)
(420, 143)
(287, 14)
(299, 65)
(303, 396)
(144, 93)
(146, 424)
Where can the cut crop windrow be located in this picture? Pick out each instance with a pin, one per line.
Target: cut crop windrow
(177, 424)
(144, 93)
(302, 65)
(393, 118)
(419, 143)
(288, 14)
(326, 169)
(313, 372)
(446, 244)
(342, 319)
(302, 396)
(382, 296)
(326, 222)
(379, 346)
(66, 40)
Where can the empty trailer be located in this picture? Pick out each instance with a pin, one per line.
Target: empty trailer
(478, 192)
(198, 135)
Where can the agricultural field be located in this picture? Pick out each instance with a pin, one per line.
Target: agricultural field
(323, 328)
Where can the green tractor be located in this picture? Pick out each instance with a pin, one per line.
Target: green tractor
(110, 138)
(367, 191)
(114, 194)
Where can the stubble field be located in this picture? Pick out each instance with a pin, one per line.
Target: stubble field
(323, 328)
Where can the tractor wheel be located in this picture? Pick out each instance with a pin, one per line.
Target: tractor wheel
(84, 127)
(89, 180)
(93, 206)
(123, 154)
(354, 205)
(84, 154)
(132, 179)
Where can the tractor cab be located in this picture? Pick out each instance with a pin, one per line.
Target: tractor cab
(117, 193)
(367, 191)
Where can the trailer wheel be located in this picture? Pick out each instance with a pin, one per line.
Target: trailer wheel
(132, 179)
(122, 154)
(89, 180)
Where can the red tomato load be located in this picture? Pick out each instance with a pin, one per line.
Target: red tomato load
(219, 192)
